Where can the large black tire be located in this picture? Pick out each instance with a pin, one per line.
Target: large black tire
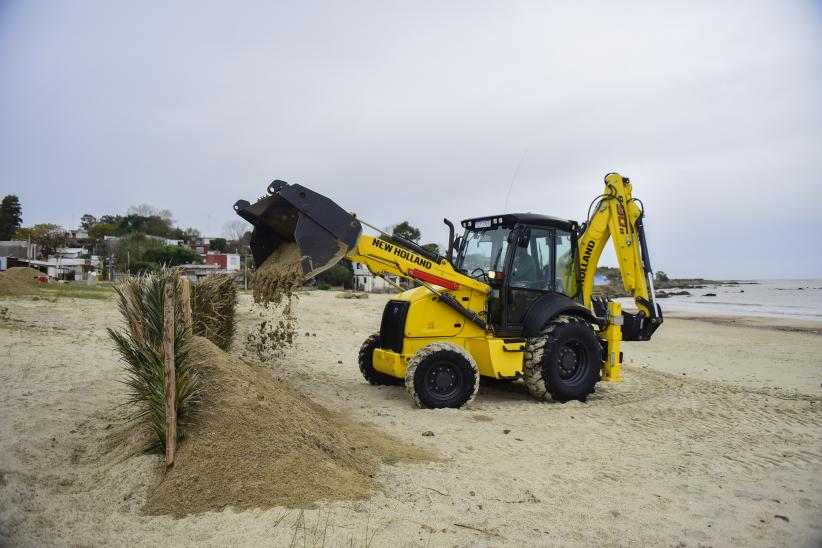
(564, 361)
(366, 360)
(442, 375)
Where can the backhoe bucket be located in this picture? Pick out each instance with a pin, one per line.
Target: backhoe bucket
(322, 230)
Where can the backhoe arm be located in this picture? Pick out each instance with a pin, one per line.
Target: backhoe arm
(618, 216)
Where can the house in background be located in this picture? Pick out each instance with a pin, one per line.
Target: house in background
(200, 248)
(196, 272)
(365, 281)
(15, 249)
(230, 262)
(69, 264)
(70, 252)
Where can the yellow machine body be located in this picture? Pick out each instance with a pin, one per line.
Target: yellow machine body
(429, 320)
(453, 307)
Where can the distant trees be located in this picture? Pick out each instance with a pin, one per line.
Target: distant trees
(146, 210)
(191, 234)
(410, 232)
(140, 233)
(172, 255)
(234, 230)
(129, 250)
(87, 221)
(407, 231)
(238, 236)
(47, 236)
(660, 276)
(110, 219)
(99, 231)
(217, 244)
(341, 274)
(432, 247)
(140, 219)
(11, 216)
(152, 224)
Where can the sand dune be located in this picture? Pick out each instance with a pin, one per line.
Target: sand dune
(730, 453)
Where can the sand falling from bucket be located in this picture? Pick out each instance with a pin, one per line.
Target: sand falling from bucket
(274, 284)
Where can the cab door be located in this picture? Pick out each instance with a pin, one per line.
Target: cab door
(530, 272)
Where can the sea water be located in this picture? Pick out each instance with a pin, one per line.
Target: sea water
(796, 299)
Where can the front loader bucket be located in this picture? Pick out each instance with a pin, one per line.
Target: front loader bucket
(322, 230)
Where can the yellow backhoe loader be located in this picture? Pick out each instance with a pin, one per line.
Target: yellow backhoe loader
(512, 297)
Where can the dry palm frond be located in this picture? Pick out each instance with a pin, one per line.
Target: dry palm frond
(140, 344)
(212, 307)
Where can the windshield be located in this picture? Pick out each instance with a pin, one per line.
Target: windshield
(484, 249)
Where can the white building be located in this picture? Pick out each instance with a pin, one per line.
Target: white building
(365, 281)
(196, 272)
(19, 249)
(70, 252)
(230, 262)
(68, 268)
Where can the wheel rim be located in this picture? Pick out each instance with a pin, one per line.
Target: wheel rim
(572, 361)
(443, 380)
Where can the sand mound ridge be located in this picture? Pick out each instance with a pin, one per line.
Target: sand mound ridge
(20, 280)
(256, 443)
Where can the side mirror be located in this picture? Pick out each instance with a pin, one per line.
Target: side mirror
(459, 243)
(524, 237)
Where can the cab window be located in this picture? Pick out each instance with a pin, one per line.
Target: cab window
(565, 277)
(484, 251)
(532, 263)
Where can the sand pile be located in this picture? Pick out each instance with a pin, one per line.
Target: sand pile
(274, 283)
(20, 281)
(352, 295)
(256, 443)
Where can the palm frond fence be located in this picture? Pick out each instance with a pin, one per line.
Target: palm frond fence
(164, 398)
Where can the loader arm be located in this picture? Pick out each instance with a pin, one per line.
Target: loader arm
(324, 234)
(405, 259)
(384, 257)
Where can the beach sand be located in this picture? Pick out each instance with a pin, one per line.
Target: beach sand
(714, 438)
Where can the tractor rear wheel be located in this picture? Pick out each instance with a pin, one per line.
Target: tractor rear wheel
(366, 360)
(563, 362)
(442, 375)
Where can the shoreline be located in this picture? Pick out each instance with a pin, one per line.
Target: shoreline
(770, 323)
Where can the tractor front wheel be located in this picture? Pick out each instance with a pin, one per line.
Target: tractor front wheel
(442, 375)
(366, 359)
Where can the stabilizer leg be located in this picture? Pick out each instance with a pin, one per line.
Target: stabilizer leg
(612, 369)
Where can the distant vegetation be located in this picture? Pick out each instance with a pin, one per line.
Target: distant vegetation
(141, 240)
(661, 281)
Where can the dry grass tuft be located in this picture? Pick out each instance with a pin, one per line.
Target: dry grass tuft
(140, 343)
(212, 307)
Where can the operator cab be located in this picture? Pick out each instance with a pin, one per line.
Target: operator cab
(522, 256)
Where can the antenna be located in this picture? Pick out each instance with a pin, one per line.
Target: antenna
(513, 179)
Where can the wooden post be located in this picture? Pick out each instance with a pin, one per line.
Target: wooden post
(187, 303)
(169, 373)
(245, 277)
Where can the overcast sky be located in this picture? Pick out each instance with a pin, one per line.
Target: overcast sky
(421, 110)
